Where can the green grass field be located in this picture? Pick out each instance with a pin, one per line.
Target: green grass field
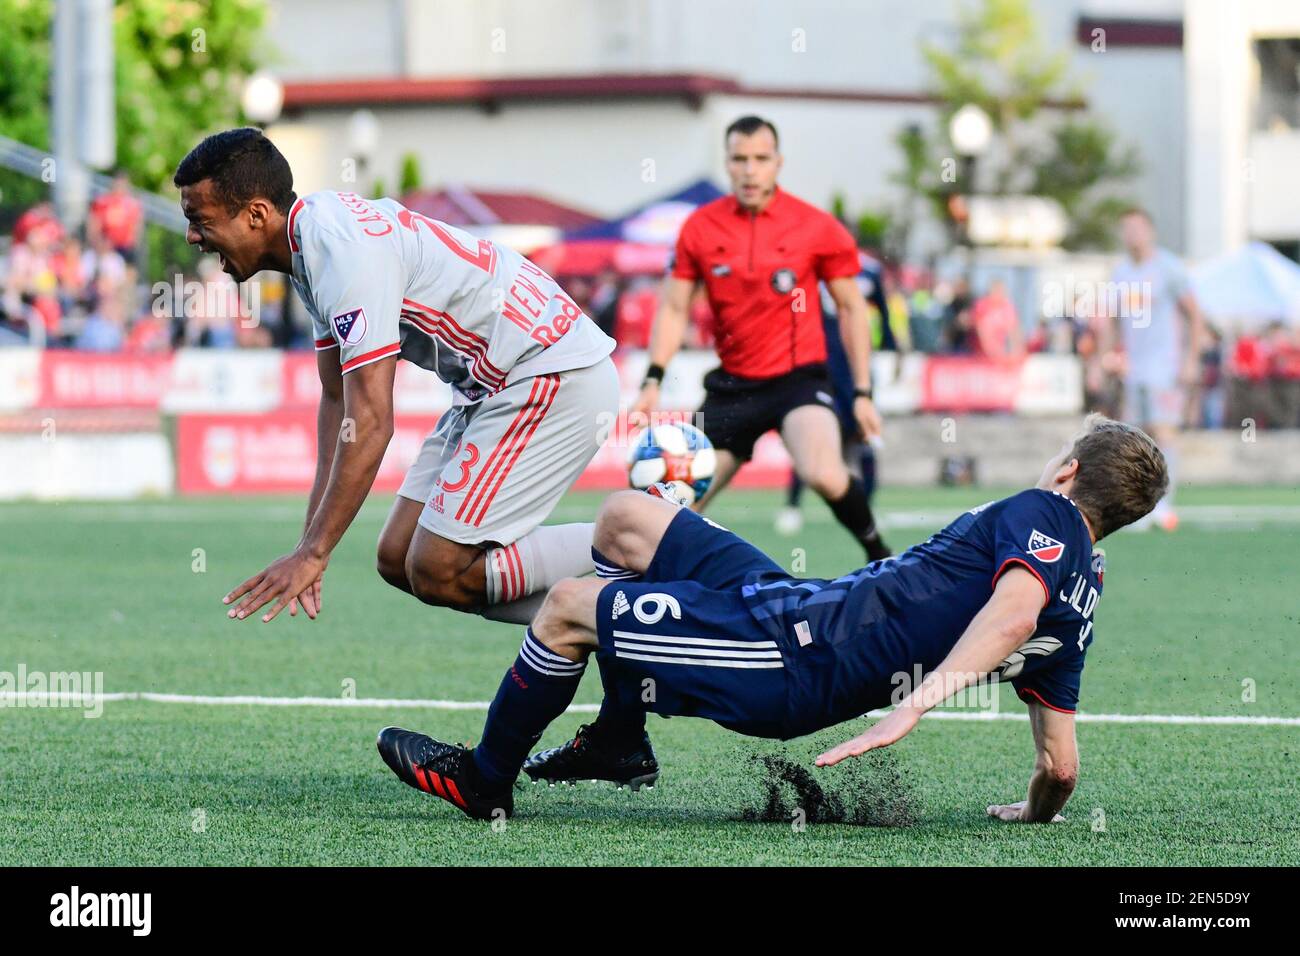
(102, 587)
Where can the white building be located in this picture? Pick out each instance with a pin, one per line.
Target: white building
(604, 104)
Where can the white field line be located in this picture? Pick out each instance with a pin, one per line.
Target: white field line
(180, 512)
(59, 698)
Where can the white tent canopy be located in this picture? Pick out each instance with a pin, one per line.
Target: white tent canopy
(1249, 288)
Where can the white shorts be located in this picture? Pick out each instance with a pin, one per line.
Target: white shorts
(490, 473)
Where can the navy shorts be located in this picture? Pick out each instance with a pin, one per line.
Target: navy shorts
(681, 641)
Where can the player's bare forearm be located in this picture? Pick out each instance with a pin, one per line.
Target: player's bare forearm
(329, 420)
(669, 327)
(359, 448)
(855, 328)
(1002, 625)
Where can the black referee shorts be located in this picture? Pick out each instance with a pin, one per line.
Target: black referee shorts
(738, 411)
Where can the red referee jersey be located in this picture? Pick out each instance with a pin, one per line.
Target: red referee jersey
(761, 273)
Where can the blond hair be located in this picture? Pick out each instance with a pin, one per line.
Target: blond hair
(1121, 476)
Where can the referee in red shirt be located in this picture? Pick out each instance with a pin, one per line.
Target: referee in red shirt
(760, 253)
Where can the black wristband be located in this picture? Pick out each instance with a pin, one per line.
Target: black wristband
(655, 373)
(862, 392)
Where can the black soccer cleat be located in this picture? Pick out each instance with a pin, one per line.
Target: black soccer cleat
(589, 757)
(443, 770)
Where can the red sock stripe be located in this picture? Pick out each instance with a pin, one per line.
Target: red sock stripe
(513, 553)
(505, 440)
(534, 422)
(506, 571)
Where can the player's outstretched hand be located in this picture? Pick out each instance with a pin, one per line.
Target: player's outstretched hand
(285, 579)
(868, 418)
(647, 400)
(309, 599)
(1015, 813)
(891, 728)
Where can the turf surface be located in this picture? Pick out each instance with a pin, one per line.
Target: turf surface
(1185, 620)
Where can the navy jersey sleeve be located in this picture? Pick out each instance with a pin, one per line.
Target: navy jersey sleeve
(1036, 530)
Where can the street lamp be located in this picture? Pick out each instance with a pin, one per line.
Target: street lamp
(262, 99)
(970, 131)
(363, 136)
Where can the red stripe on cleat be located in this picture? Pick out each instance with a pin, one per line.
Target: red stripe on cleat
(437, 784)
(455, 794)
(420, 777)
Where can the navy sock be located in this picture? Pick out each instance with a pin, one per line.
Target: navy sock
(537, 689)
(605, 568)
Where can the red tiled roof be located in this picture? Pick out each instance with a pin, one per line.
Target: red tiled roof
(462, 207)
(489, 92)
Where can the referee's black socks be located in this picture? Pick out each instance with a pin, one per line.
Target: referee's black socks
(852, 511)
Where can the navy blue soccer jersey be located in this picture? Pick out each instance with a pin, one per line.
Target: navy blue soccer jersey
(849, 639)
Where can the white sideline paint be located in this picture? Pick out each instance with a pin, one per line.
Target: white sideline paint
(482, 705)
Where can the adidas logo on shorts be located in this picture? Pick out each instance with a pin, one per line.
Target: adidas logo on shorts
(621, 606)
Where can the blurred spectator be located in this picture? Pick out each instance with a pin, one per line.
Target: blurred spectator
(996, 325)
(602, 305)
(42, 214)
(957, 332)
(117, 216)
(104, 328)
(925, 320)
(1213, 394)
(1283, 347)
(31, 293)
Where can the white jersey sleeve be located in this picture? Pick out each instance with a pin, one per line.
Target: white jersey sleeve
(353, 289)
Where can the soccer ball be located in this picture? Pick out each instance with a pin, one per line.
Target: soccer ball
(677, 453)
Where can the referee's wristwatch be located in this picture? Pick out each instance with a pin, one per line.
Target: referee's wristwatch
(863, 393)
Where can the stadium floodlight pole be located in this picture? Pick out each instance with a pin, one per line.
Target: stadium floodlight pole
(970, 131)
(97, 107)
(68, 179)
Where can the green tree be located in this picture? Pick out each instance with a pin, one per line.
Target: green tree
(179, 69)
(409, 181)
(24, 90)
(999, 63)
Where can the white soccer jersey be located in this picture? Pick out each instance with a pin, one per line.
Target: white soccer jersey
(380, 280)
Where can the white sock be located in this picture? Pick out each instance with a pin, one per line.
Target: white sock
(516, 612)
(537, 560)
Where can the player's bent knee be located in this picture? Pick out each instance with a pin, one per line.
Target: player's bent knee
(391, 565)
(827, 480)
(565, 613)
(441, 587)
(618, 525)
